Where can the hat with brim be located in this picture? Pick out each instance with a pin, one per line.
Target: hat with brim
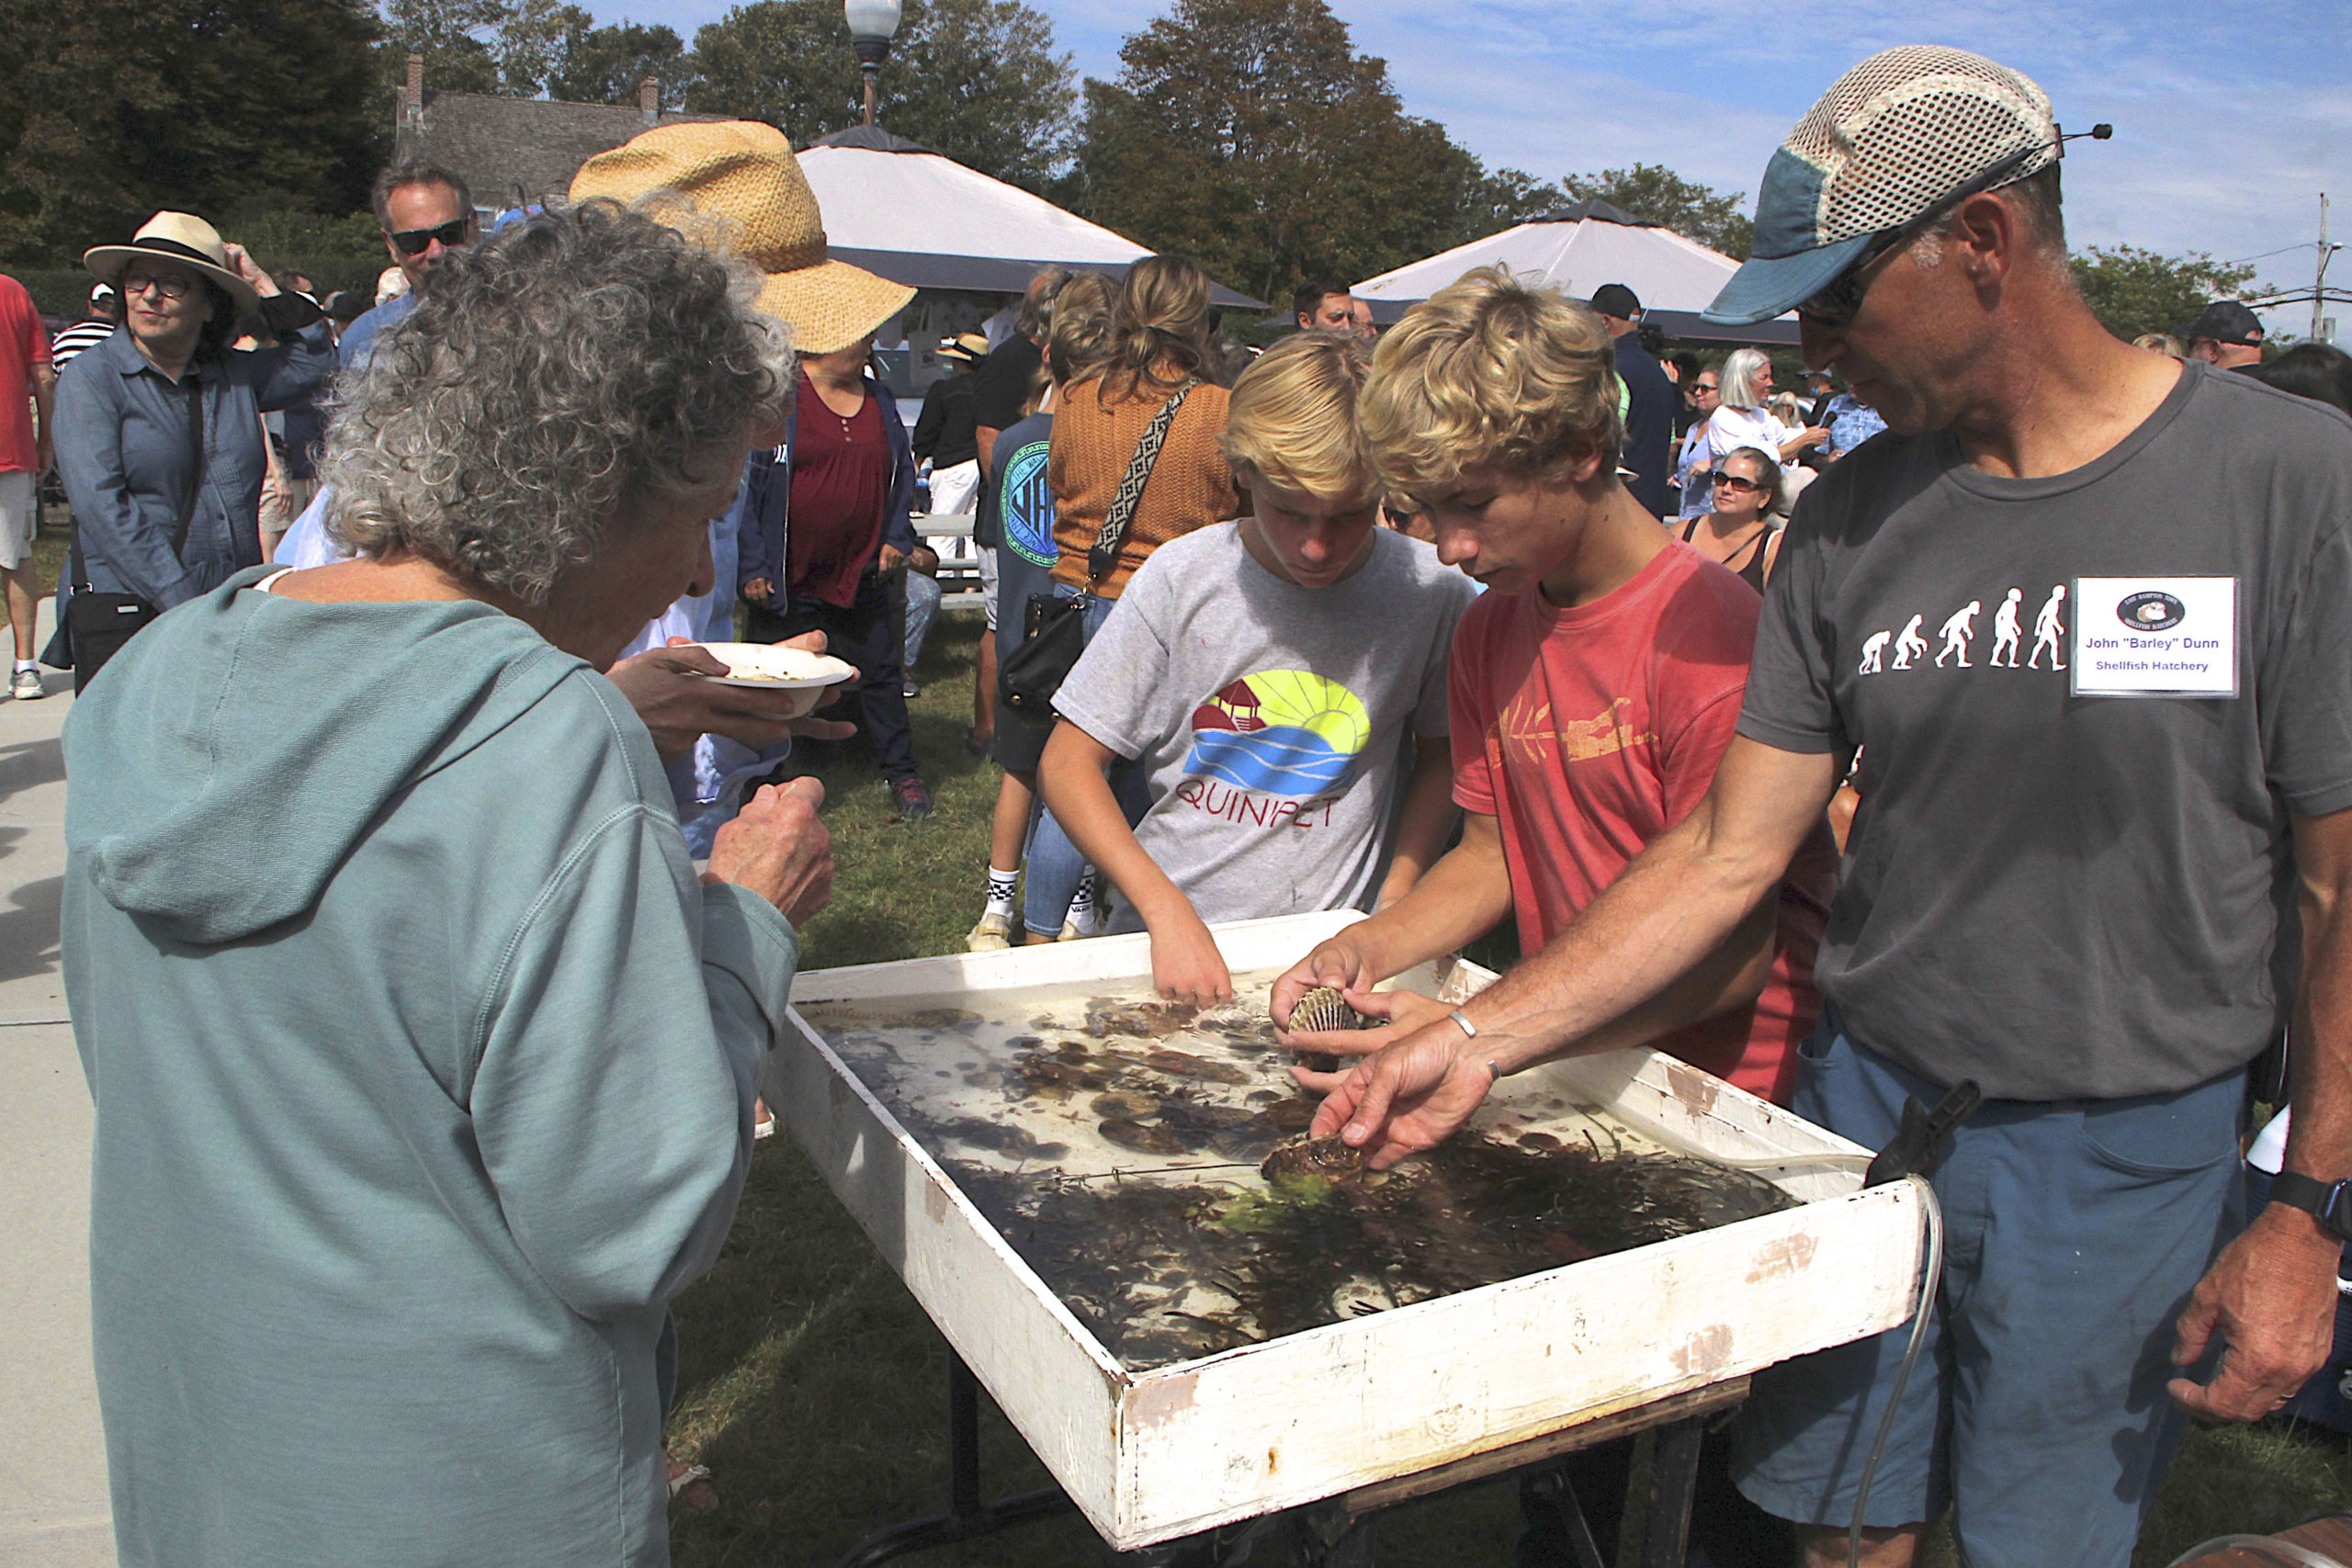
(735, 185)
(969, 348)
(1766, 287)
(2227, 322)
(1900, 137)
(180, 237)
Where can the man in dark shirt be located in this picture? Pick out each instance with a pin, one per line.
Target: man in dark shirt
(1009, 376)
(826, 522)
(1649, 400)
(2089, 813)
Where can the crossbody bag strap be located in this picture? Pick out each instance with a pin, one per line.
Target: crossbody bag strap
(1103, 559)
(194, 385)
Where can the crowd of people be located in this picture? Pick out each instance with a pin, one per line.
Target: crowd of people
(429, 912)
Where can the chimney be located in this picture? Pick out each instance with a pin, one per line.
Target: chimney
(413, 95)
(649, 100)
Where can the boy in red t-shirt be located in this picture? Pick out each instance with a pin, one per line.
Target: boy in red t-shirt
(1593, 688)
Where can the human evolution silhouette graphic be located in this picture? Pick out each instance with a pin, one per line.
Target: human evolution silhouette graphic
(1959, 631)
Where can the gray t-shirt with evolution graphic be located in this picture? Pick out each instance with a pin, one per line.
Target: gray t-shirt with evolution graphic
(1272, 721)
(2088, 705)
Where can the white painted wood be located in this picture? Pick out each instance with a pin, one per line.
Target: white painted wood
(1154, 1455)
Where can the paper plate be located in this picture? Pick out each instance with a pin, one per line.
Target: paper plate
(772, 666)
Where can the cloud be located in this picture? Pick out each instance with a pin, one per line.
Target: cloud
(2229, 120)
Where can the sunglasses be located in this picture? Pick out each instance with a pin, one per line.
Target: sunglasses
(1840, 299)
(1737, 483)
(413, 242)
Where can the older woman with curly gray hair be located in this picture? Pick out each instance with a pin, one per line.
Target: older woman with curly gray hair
(422, 1060)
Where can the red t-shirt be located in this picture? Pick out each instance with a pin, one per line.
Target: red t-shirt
(841, 482)
(1587, 732)
(24, 342)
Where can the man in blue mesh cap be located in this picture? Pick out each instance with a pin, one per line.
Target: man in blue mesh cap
(2103, 856)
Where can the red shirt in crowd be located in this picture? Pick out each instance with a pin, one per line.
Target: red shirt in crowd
(24, 342)
(1587, 732)
(840, 482)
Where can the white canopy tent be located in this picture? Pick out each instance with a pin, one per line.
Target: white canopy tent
(896, 208)
(1578, 248)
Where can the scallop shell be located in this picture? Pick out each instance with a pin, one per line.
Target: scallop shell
(1324, 1007)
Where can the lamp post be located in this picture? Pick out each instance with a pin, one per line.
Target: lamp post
(871, 24)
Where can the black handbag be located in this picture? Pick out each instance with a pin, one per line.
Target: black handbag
(95, 626)
(1053, 628)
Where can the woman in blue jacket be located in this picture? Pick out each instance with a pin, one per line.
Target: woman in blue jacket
(159, 436)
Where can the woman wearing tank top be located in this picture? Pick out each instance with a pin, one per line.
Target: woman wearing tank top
(1738, 532)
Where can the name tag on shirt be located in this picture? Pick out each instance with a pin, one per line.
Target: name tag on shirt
(2155, 637)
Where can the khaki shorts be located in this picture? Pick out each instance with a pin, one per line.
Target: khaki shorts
(19, 515)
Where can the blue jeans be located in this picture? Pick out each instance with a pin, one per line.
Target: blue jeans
(2074, 1233)
(1055, 864)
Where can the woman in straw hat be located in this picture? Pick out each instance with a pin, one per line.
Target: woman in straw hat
(824, 523)
(804, 563)
(159, 436)
(424, 1062)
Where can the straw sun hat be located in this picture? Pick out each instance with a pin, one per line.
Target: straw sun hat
(745, 184)
(179, 237)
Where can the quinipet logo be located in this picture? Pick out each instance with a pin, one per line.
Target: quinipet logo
(1283, 732)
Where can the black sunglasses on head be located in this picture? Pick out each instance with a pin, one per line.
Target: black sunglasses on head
(412, 241)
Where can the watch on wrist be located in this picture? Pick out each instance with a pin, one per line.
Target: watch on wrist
(2328, 1201)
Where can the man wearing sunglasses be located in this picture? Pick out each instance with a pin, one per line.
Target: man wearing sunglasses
(2097, 882)
(425, 212)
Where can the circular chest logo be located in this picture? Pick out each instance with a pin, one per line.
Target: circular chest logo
(2151, 611)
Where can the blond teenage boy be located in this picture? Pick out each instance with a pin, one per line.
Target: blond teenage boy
(1268, 675)
(1595, 686)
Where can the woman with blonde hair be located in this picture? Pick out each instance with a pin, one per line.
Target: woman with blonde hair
(1160, 354)
(1145, 426)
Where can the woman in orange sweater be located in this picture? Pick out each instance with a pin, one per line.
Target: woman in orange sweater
(1161, 348)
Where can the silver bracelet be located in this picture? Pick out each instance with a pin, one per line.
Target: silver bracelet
(1469, 1031)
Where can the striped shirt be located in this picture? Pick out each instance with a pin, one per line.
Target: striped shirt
(77, 337)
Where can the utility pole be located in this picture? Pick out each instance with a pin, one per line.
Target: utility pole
(2319, 284)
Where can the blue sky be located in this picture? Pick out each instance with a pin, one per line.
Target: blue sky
(2229, 119)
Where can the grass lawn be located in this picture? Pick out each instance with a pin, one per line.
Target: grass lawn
(815, 1389)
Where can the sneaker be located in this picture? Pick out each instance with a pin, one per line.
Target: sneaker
(25, 686)
(915, 799)
(910, 691)
(994, 931)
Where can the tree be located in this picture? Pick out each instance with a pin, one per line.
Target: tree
(449, 33)
(2133, 291)
(1250, 134)
(607, 65)
(118, 107)
(1657, 193)
(977, 79)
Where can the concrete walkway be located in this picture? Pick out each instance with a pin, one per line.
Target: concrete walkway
(53, 1510)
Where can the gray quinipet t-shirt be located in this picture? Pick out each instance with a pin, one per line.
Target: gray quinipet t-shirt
(2059, 893)
(1272, 719)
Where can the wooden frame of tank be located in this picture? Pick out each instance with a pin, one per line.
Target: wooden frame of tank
(1150, 1456)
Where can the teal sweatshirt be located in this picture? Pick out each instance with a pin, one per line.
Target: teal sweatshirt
(423, 1069)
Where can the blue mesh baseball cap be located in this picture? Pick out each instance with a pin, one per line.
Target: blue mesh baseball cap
(1897, 137)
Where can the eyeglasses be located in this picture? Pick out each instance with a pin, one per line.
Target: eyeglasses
(1737, 483)
(1706, 386)
(413, 242)
(170, 285)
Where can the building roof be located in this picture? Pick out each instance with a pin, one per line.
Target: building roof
(506, 149)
